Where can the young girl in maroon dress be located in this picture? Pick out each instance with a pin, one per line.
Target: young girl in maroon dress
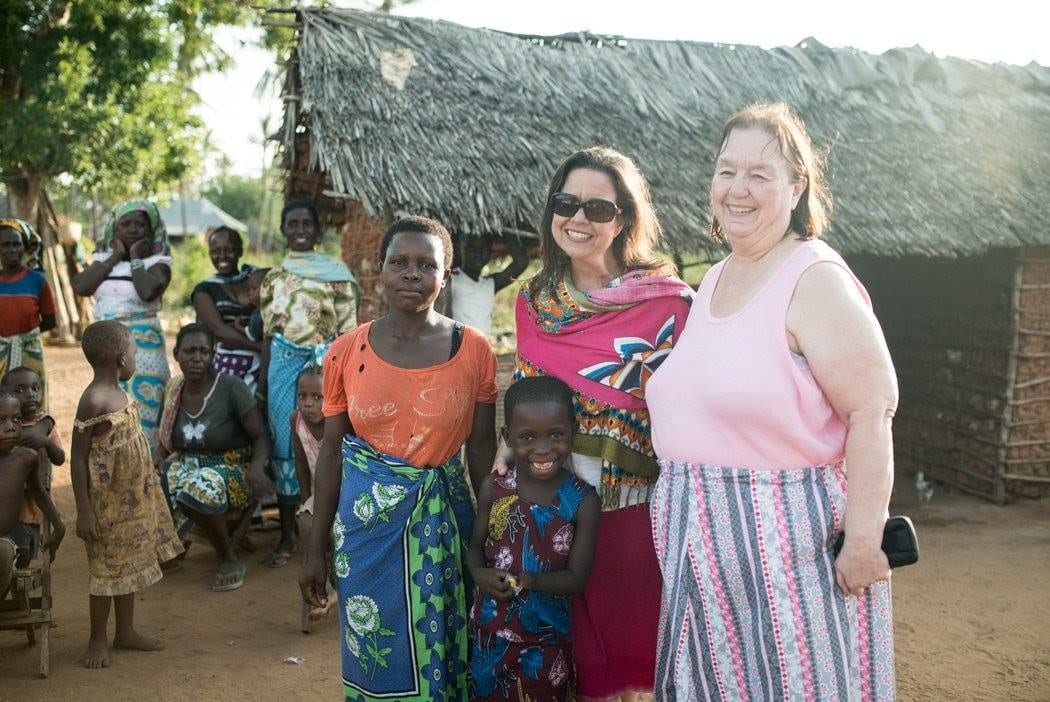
(532, 548)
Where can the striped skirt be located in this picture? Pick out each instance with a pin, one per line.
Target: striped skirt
(750, 605)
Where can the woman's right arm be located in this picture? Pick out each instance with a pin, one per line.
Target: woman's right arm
(86, 282)
(327, 482)
(87, 524)
(208, 315)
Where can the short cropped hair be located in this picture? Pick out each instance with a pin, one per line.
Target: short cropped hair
(9, 375)
(301, 203)
(194, 328)
(235, 236)
(418, 225)
(104, 341)
(540, 388)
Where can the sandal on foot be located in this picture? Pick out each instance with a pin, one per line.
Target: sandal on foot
(277, 559)
(230, 580)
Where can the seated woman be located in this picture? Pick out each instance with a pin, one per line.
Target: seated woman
(223, 304)
(214, 447)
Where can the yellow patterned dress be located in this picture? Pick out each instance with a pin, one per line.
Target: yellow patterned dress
(135, 529)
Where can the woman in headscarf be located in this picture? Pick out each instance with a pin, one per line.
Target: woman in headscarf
(306, 301)
(27, 306)
(131, 271)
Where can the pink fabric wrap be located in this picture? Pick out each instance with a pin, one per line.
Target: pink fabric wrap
(620, 333)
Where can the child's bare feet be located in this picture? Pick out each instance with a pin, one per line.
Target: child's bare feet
(97, 654)
(137, 642)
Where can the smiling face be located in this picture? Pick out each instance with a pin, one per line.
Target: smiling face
(11, 248)
(133, 228)
(414, 271)
(30, 391)
(309, 398)
(10, 422)
(585, 242)
(300, 229)
(539, 434)
(753, 190)
(224, 249)
(194, 355)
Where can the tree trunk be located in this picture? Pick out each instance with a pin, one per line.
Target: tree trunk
(26, 192)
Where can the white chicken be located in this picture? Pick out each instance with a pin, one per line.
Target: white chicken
(924, 488)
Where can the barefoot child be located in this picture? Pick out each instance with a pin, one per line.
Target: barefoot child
(307, 423)
(19, 470)
(532, 547)
(121, 513)
(39, 433)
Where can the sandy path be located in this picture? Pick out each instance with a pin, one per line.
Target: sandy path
(972, 619)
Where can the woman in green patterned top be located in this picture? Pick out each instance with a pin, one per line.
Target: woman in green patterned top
(306, 301)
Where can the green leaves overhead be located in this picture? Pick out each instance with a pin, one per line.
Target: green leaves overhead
(101, 90)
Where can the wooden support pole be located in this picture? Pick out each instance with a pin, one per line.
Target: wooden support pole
(999, 485)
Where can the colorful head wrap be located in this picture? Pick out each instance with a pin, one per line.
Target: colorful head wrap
(30, 240)
(160, 232)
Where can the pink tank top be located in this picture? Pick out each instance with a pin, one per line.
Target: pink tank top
(732, 393)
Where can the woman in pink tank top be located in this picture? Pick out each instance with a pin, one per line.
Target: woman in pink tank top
(780, 380)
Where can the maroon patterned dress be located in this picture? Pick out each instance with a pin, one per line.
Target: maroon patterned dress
(521, 647)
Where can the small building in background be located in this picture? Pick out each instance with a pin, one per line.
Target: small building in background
(194, 216)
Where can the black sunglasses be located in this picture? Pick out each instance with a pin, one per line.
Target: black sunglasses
(595, 210)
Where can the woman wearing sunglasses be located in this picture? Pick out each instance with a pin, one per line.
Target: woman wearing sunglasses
(601, 315)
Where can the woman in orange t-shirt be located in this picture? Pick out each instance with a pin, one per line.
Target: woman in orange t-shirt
(402, 395)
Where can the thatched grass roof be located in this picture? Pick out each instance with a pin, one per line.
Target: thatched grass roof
(928, 156)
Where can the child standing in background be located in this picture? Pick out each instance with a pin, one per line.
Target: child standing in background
(307, 424)
(532, 548)
(121, 512)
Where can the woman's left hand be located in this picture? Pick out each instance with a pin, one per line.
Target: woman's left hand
(858, 567)
(261, 484)
(141, 249)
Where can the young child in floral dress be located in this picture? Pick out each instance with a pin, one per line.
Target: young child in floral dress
(532, 548)
(121, 512)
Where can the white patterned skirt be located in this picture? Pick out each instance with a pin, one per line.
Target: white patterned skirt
(750, 609)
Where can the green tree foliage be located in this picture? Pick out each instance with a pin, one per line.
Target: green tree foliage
(100, 90)
(241, 196)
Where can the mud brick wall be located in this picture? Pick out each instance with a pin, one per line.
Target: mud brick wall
(948, 324)
(1027, 464)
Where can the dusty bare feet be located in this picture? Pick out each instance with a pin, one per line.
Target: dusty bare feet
(97, 654)
(137, 642)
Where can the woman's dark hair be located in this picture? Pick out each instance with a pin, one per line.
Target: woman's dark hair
(539, 388)
(235, 236)
(301, 203)
(194, 328)
(641, 232)
(418, 225)
(812, 214)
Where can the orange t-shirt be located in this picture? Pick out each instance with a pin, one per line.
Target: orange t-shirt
(421, 415)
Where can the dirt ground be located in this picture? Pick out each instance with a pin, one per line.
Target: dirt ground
(972, 619)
